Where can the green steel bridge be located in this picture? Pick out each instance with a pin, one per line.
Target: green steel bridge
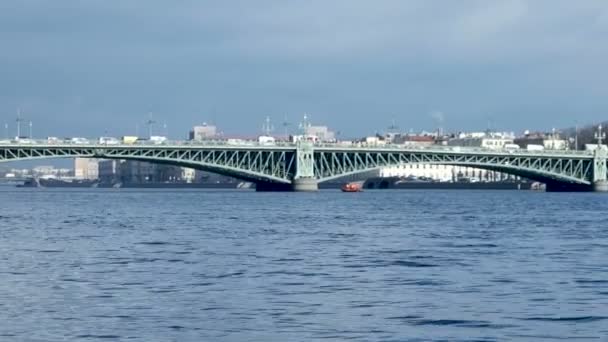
(302, 166)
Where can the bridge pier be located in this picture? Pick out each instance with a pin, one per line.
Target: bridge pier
(567, 187)
(305, 185)
(298, 185)
(272, 187)
(600, 186)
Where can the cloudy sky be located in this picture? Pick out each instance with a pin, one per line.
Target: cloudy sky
(88, 67)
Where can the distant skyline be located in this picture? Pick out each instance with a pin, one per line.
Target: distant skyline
(91, 68)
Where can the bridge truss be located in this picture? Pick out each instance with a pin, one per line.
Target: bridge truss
(285, 165)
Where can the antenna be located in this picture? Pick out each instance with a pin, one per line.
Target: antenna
(267, 126)
(576, 137)
(393, 128)
(285, 126)
(150, 122)
(6, 130)
(30, 129)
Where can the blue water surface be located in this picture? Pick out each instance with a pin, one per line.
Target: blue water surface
(394, 265)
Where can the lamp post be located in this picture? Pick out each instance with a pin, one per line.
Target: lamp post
(18, 123)
(600, 135)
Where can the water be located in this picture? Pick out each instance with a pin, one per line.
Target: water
(88, 265)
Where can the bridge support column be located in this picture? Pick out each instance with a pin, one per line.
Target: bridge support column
(304, 179)
(600, 174)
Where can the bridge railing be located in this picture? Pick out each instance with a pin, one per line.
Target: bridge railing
(461, 149)
(253, 143)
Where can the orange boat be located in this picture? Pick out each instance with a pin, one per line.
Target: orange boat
(352, 187)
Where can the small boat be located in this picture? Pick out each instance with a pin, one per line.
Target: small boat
(352, 187)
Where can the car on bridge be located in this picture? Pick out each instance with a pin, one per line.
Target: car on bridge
(22, 140)
(108, 141)
(77, 140)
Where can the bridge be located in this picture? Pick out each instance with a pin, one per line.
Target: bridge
(302, 166)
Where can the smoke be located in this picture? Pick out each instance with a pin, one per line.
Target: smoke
(438, 119)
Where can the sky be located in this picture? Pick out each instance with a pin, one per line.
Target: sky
(99, 67)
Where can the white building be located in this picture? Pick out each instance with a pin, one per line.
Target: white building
(322, 133)
(555, 143)
(188, 175)
(493, 141)
(442, 173)
(86, 168)
(548, 141)
(204, 132)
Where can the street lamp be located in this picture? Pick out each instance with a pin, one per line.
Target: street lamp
(599, 135)
(19, 120)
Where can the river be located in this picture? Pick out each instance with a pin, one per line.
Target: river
(394, 265)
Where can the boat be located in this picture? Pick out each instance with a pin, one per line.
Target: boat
(35, 182)
(352, 187)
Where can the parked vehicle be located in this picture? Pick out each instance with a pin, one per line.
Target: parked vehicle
(108, 141)
(129, 139)
(53, 140)
(23, 140)
(157, 140)
(532, 147)
(78, 140)
(266, 140)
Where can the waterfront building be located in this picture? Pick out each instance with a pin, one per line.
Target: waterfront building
(108, 170)
(442, 173)
(50, 171)
(131, 171)
(86, 168)
(188, 175)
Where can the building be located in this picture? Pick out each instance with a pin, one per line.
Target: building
(131, 171)
(549, 141)
(48, 171)
(204, 132)
(188, 175)
(109, 170)
(486, 140)
(443, 173)
(86, 168)
(322, 133)
(414, 140)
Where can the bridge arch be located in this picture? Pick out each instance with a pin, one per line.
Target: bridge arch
(535, 175)
(272, 167)
(573, 171)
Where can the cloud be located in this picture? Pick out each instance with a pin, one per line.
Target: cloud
(350, 63)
